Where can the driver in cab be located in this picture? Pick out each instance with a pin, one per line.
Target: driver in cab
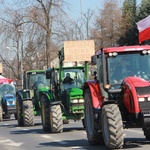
(68, 79)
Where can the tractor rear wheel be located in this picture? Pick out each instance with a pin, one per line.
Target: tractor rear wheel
(93, 129)
(19, 110)
(45, 115)
(56, 122)
(1, 113)
(147, 133)
(28, 113)
(112, 126)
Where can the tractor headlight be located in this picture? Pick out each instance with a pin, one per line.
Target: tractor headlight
(141, 99)
(148, 98)
(113, 54)
(81, 100)
(74, 101)
(10, 102)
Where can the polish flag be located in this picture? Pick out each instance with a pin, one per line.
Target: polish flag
(144, 29)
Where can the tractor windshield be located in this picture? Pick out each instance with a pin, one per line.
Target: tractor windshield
(73, 78)
(38, 79)
(127, 64)
(7, 89)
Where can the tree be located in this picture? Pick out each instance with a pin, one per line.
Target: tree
(144, 10)
(128, 29)
(45, 15)
(107, 24)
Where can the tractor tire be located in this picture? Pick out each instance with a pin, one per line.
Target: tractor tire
(28, 113)
(1, 113)
(56, 122)
(93, 129)
(112, 126)
(45, 113)
(147, 133)
(19, 110)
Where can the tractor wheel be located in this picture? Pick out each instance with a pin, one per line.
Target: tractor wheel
(56, 122)
(83, 123)
(15, 115)
(147, 133)
(19, 110)
(28, 113)
(45, 115)
(112, 126)
(1, 113)
(93, 130)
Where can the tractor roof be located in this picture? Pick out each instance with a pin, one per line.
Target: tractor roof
(127, 48)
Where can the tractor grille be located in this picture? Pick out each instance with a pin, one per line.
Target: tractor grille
(143, 90)
(145, 105)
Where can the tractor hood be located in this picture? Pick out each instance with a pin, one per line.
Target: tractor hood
(75, 91)
(135, 89)
(136, 82)
(9, 95)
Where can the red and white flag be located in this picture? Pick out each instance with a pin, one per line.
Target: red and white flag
(144, 29)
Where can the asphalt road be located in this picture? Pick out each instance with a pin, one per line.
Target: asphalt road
(73, 137)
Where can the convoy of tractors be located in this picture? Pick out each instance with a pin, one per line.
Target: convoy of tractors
(118, 96)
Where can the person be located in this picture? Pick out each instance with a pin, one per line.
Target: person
(68, 79)
(39, 81)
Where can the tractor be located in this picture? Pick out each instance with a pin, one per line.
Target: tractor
(119, 95)
(28, 102)
(7, 101)
(67, 102)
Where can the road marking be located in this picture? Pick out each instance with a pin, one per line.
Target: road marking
(77, 147)
(11, 143)
(25, 129)
(46, 136)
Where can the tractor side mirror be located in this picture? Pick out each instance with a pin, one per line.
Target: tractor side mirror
(93, 71)
(49, 73)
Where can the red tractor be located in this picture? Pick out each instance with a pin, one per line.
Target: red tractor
(119, 95)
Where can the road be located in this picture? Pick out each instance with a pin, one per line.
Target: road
(13, 137)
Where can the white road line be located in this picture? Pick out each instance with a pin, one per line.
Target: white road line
(77, 147)
(46, 136)
(11, 143)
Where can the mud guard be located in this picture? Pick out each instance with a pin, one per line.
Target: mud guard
(97, 99)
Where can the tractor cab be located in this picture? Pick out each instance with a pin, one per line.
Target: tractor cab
(119, 63)
(73, 78)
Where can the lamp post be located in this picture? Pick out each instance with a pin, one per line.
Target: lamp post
(21, 60)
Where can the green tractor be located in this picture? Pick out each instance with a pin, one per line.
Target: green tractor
(67, 101)
(28, 102)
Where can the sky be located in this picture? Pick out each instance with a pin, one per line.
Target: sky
(77, 7)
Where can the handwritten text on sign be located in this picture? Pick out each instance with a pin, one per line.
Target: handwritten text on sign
(78, 50)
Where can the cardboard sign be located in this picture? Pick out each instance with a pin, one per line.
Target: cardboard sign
(78, 50)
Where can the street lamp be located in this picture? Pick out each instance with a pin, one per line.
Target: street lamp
(21, 65)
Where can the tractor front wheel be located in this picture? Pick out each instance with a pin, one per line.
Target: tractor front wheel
(45, 115)
(147, 133)
(112, 126)
(28, 113)
(92, 126)
(19, 110)
(56, 122)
